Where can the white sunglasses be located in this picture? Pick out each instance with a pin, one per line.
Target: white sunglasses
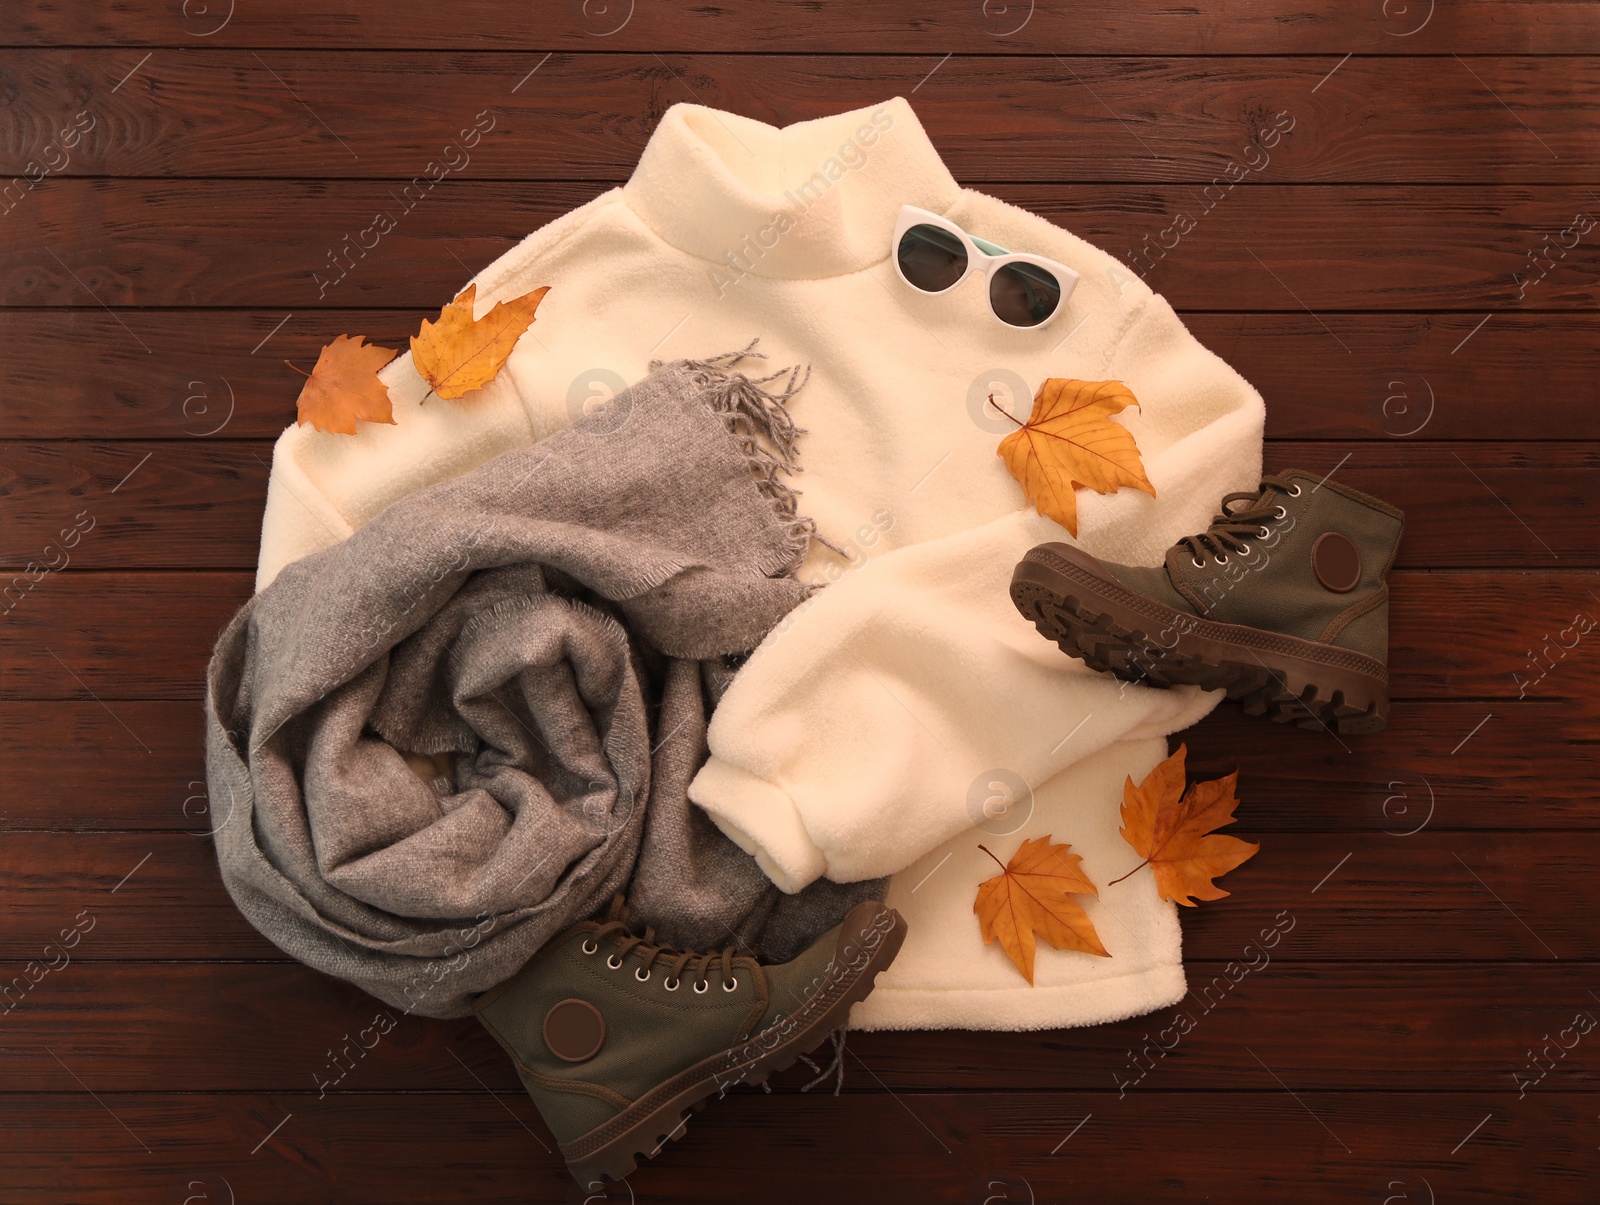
(934, 255)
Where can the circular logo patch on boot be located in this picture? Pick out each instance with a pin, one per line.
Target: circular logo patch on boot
(1336, 562)
(574, 1031)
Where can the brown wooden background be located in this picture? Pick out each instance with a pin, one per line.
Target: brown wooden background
(1374, 280)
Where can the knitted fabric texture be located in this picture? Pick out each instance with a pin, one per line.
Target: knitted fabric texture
(549, 632)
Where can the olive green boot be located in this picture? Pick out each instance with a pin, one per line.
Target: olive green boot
(1282, 602)
(616, 1036)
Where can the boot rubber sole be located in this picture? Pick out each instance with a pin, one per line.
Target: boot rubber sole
(869, 938)
(1073, 601)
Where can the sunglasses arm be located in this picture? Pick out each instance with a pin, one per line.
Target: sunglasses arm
(987, 247)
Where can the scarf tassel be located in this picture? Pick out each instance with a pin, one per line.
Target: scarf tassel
(758, 419)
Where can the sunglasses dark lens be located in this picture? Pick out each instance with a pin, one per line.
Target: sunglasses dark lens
(1024, 294)
(932, 259)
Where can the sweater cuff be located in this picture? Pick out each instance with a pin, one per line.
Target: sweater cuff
(761, 819)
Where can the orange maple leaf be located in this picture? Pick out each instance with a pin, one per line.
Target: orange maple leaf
(1069, 440)
(457, 353)
(343, 388)
(1031, 895)
(1171, 829)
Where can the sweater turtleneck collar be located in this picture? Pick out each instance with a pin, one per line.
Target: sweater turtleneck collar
(815, 199)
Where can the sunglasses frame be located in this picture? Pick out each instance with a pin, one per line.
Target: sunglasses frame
(982, 256)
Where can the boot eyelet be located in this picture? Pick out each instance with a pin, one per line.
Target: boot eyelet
(729, 985)
(614, 962)
(1295, 492)
(1244, 550)
(1222, 560)
(672, 985)
(1280, 513)
(1197, 563)
(589, 947)
(1263, 534)
(642, 975)
(700, 987)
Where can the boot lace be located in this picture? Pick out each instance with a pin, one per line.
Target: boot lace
(1244, 516)
(616, 929)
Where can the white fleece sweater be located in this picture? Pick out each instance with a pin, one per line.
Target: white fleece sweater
(852, 742)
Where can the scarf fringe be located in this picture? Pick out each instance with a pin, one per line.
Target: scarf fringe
(834, 1070)
(759, 421)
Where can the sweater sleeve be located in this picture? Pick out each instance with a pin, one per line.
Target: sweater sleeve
(867, 729)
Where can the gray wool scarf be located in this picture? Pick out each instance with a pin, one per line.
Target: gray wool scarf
(435, 745)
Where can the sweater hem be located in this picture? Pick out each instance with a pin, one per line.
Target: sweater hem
(1066, 1006)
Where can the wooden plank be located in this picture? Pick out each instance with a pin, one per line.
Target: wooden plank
(96, 775)
(1414, 776)
(220, 373)
(232, 1027)
(375, 1149)
(77, 242)
(97, 778)
(197, 505)
(77, 635)
(209, 373)
(140, 242)
(151, 505)
(1432, 896)
(1439, 876)
(1402, 378)
(1326, 27)
(111, 885)
(303, 113)
(140, 635)
(1311, 248)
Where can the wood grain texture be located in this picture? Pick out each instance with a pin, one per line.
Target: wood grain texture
(944, 1148)
(220, 373)
(100, 776)
(1274, 247)
(303, 113)
(1384, 273)
(71, 632)
(931, 27)
(269, 1027)
(208, 373)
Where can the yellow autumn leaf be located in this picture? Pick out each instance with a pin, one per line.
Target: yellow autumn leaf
(1032, 895)
(457, 353)
(1069, 441)
(1171, 829)
(343, 386)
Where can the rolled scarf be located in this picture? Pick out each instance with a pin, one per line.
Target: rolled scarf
(433, 746)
